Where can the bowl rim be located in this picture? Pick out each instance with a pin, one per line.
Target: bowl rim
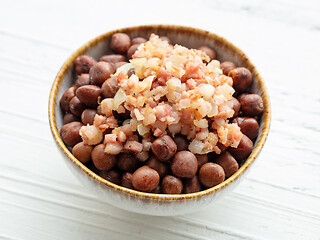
(266, 119)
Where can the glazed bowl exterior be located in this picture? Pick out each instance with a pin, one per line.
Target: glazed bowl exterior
(149, 203)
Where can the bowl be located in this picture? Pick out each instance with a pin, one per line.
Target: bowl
(142, 202)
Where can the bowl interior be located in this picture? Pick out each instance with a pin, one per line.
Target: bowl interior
(186, 36)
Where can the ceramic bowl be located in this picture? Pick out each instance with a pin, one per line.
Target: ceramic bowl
(149, 203)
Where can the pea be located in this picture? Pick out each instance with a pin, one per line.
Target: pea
(82, 80)
(208, 51)
(164, 148)
(111, 175)
(227, 66)
(69, 117)
(82, 152)
(182, 143)
(113, 58)
(120, 43)
(70, 133)
(83, 64)
(100, 72)
(110, 87)
(184, 164)
(248, 126)
(138, 40)
(171, 185)
(251, 105)
(145, 179)
(132, 50)
(243, 150)
(102, 160)
(191, 185)
(242, 78)
(126, 180)
(127, 162)
(76, 106)
(211, 174)
(202, 159)
(89, 95)
(87, 116)
(228, 163)
(66, 98)
(157, 165)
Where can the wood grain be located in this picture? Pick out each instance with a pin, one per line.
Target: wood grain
(40, 199)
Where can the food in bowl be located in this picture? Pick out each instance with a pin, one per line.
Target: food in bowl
(166, 121)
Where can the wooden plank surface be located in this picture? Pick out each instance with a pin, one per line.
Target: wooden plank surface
(41, 199)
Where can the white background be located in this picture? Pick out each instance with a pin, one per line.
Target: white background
(40, 198)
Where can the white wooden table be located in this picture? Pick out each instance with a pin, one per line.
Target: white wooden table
(40, 198)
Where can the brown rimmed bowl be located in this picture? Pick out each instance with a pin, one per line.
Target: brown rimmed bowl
(149, 203)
